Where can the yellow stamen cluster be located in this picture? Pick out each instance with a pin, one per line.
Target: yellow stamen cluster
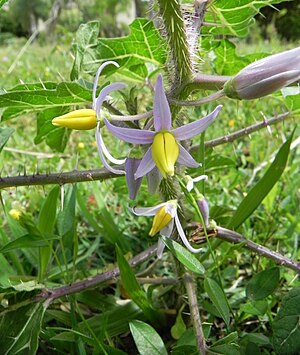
(165, 152)
(80, 119)
(161, 219)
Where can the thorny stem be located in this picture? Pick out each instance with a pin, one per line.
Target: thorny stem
(234, 237)
(223, 233)
(204, 100)
(52, 294)
(103, 174)
(190, 286)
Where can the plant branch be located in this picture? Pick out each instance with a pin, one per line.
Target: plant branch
(58, 178)
(245, 131)
(194, 309)
(234, 237)
(103, 174)
(52, 294)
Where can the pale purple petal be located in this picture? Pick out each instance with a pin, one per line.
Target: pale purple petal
(146, 165)
(102, 66)
(160, 248)
(192, 129)
(190, 183)
(154, 178)
(133, 184)
(185, 158)
(103, 95)
(167, 230)
(101, 148)
(183, 237)
(147, 211)
(130, 135)
(161, 108)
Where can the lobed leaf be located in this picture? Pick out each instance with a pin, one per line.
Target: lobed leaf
(142, 45)
(20, 329)
(234, 17)
(286, 327)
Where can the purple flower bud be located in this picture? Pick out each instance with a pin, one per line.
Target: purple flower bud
(265, 76)
(204, 209)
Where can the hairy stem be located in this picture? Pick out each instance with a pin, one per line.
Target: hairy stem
(194, 309)
(176, 34)
(234, 237)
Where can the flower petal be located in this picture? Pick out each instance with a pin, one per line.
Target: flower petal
(192, 129)
(103, 150)
(130, 135)
(103, 95)
(185, 158)
(102, 66)
(161, 108)
(160, 248)
(146, 165)
(153, 180)
(183, 237)
(147, 211)
(133, 184)
(167, 230)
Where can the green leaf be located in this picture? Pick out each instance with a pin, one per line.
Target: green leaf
(286, 325)
(146, 339)
(86, 37)
(5, 133)
(263, 284)
(293, 103)
(179, 327)
(132, 287)
(225, 349)
(143, 45)
(226, 61)
(218, 298)
(184, 256)
(263, 187)
(234, 17)
(45, 225)
(20, 329)
(23, 99)
(66, 217)
(257, 308)
(27, 241)
(56, 137)
(47, 216)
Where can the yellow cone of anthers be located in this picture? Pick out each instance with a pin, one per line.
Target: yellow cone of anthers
(165, 152)
(161, 219)
(80, 119)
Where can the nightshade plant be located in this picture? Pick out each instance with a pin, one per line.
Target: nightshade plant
(62, 290)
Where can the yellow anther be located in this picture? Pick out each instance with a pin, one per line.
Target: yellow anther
(80, 119)
(165, 152)
(161, 219)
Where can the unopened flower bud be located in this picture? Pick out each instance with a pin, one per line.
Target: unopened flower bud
(80, 119)
(265, 76)
(204, 209)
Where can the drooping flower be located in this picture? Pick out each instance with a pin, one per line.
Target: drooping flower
(265, 76)
(165, 149)
(165, 215)
(86, 119)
